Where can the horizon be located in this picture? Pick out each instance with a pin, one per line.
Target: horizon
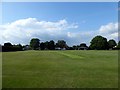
(73, 22)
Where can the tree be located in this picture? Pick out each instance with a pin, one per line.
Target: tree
(7, 44)
(99, 43)
(83, 45)
(35, 43)
(118, 46)
(111, 43)
(52, 45)
(46, 45)
(0, 47)
(74, 47)
(7, 47)
(42, 46)
(61, 44)
(17, 47)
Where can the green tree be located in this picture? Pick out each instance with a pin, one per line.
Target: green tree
(35, 43)
(61, 44)
(46, 45)
(118, 46)
(52, 45)
(7, 44)
(42, 46)
(7, 47)
(111, 43)
(74, 47)
(99, 43)
(83, 45)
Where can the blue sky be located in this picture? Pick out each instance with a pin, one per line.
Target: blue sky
(84, 19)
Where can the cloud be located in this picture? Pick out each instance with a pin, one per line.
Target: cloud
(21, 31)
(110, 31)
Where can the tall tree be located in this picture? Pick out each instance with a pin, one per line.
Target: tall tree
(7, 44)
(99, 43)
(7, 47)
(52, 45)
(61, 44)
(74, 47)
(118, 46)
(35, 43)
(46, 45)
(83, 45)
(111, 43)
(42, 46)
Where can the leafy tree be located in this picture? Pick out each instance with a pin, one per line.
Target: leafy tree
(35, 43)
(7, 47)
(118, 46)
(99, 43)
(7, 44)
(83, 45)
(42, 46)
(0, 47)
(46, 45)
(52, 45)
(74, 47)
(61, 44)
(17, 47)
(111, 43)
(70, 48)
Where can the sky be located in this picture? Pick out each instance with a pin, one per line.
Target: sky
(74, 22)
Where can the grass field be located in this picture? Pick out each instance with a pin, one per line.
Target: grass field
(60, 69)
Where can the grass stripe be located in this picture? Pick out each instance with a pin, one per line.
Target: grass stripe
(69, 55)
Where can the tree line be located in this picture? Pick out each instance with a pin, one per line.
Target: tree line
(97, 43)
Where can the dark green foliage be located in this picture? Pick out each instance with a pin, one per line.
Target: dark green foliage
(70, 48)
(7, 44)
(0, 47)
(76, 47)
(52, 45)
(111, 43)
(42, 46)
(35, 43)
(17, 47)
(99, 43)
(118, 46)
(9, 47)
(61, 44)
(47, 45)
(83, 46)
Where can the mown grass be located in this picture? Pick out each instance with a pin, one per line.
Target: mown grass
(60, 69)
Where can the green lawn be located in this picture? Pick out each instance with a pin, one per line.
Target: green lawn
(60, 69)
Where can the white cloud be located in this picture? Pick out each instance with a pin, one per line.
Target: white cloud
(110, 31)
(21, 31)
